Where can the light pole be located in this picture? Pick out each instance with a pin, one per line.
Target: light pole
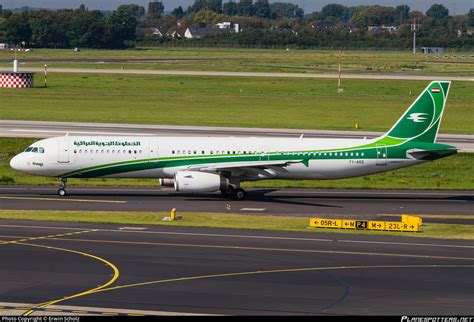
(413, 28)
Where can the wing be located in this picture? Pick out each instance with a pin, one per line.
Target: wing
(252, 168)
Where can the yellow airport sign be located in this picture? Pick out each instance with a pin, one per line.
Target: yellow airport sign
(325, 223)
(411, 220)
(412, 225)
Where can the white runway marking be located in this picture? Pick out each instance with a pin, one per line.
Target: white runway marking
(82, 132)
(253, 209)
(242, 236)
(401, 244)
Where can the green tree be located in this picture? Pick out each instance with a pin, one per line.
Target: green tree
(230, 8)
(17, 29)
(437, 11)
(178, 12)
(470, 16)
(402, 14)
(335, 10)
(3, 21)
(288, 10)
(262, 9)
(122, 24)
(156, 9)
(246, 8)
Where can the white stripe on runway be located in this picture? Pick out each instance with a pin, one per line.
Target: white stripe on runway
(82, 132)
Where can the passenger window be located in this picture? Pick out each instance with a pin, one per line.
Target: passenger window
(75, 151)
(85, 151)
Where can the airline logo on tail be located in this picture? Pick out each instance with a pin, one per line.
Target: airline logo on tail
(417, 117)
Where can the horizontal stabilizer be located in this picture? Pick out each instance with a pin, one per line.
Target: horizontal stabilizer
(422, 154)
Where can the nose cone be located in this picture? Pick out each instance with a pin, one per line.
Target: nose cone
(16, 163)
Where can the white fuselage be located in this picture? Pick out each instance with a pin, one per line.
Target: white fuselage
(149, 157)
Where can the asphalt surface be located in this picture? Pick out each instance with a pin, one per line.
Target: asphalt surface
(217, 271)
(40, 129)
(382, 76)
(438, 206)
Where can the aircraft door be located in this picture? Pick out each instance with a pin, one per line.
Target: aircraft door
(63, 152)
(264, 156)
(381, 155)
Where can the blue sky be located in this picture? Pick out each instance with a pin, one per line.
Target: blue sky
(454, 6)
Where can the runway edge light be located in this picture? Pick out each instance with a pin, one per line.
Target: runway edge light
(172, 216)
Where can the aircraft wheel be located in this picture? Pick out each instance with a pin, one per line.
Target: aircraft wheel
(239, 194)
(62, 192)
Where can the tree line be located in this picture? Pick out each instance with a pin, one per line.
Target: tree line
(262, 24)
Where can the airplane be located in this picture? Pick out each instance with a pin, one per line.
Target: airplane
(212, 164)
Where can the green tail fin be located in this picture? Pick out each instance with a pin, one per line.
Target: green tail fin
(422, 119)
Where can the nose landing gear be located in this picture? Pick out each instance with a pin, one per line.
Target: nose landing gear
(62, 187)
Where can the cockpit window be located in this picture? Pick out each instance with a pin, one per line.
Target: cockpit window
(35, 149)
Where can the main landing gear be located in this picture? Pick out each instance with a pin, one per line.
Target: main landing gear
(62, 187)
(234, 193)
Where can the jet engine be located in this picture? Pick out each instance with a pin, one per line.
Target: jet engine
(166, 182)
(195, 181)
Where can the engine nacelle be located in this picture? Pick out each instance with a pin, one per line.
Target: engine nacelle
(166, 182)
(195, 181)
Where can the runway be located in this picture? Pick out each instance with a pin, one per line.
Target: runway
(438, 206)
(168, 270)
(40, 129)
(352, 75)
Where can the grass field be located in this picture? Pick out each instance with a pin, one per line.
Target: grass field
(229, 101)
(268, 60)
(452, 173)
(233, 221)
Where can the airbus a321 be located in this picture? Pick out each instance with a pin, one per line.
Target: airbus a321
(210, 164)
